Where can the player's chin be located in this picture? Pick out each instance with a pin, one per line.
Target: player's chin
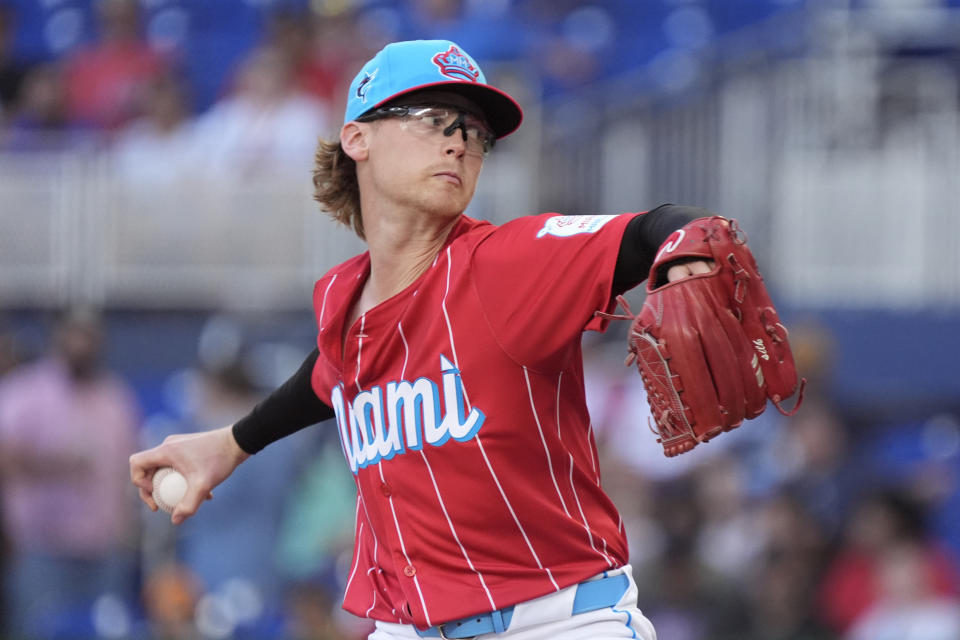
(447, 204)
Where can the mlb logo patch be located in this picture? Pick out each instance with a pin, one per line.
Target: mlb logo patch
(565, 226)
(455, 64)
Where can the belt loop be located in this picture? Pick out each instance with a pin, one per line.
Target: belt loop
(497, 619)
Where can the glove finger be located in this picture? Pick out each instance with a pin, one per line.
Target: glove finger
(722, 358)
(744, 366)
(775, 357)
(683, 339)
(762, 326)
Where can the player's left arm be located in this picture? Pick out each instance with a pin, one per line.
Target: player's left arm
(644, 236)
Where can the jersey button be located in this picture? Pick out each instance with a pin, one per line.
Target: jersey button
(409, 571)
(385, 489)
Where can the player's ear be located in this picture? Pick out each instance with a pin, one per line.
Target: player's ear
(354, 138)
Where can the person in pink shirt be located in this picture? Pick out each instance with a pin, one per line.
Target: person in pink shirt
(66, 428)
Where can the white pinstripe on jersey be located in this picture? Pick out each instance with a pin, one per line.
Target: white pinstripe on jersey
(514, 515)
(453, 349)
(406, 351)
(559, 380)
(371, 569)
(443, 305)
(573, 488)
(546, 449)
(360, 337)
(593, 454)
(356, 559)
(403, 549)
(324, 305)
(436, 488)
(583, 518)
(466, 556)
(376, 543)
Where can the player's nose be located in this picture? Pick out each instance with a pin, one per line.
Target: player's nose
(455, 143)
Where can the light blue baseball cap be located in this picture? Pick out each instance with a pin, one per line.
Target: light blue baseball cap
(404, 67)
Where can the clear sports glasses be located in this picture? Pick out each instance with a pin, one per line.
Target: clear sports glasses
(435, 120)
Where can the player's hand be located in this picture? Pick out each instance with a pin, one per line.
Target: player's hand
(205, 459)
(689, 268)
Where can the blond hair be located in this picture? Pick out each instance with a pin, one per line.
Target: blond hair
(335, 185)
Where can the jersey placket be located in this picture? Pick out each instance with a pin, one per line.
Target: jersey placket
(376, 491)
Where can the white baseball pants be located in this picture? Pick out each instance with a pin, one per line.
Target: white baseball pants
(544, 619)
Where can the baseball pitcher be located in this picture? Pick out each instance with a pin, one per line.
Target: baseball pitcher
(448, 356)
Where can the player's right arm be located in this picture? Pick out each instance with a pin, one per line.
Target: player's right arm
(205, 459)
(208, 458)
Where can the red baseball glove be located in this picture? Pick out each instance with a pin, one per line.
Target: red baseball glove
(710, 347)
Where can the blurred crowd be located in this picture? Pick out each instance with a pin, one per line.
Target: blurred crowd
(121, 75)
(121, 90)
(121, 93)
(783, 529)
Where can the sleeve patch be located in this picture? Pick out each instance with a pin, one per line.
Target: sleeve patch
(565, 226)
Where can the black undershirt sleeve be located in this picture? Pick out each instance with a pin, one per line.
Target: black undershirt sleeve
(291, 407)
(643, 237)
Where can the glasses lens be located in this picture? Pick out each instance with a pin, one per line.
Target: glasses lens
(448, 121)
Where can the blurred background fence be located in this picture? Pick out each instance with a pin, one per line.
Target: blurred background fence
(155, 165)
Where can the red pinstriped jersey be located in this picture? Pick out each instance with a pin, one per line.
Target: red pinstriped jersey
(461, 412)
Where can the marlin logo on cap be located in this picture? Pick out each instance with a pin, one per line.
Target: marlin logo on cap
(364, 85)
(455, 64)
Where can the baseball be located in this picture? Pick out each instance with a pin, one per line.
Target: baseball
(169, 487)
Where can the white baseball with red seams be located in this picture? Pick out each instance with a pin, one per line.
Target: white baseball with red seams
(169, 487)
(456, 401)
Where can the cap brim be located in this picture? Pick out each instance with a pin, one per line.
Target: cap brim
(502, 112)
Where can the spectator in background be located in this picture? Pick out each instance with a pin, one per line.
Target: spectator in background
(40, 120)
(570, 44)
(786, 526)
(152, 150)
(684, 597)
(105, 78)
(266, 126)
(67, 426)
(813, 462)
(171, 593)
(11, 351)
(879, 527)
(327, 43)
(318, 47)
(10, 358)
(810, 456)
(781, 583)
(12, 70)
(314, 615)
(729, 540)
(909, 605)
(780, 591)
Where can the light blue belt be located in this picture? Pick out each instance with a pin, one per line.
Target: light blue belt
(591, 595)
